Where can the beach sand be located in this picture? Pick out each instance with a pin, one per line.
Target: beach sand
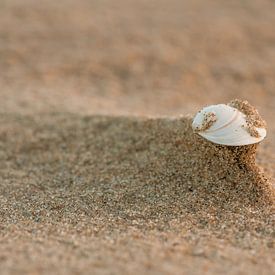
(100, 170)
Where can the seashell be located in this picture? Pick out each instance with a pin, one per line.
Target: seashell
(226, 125)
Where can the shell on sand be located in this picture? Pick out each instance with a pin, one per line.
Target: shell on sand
(226, 125)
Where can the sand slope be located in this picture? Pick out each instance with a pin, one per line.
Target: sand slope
(75, 190)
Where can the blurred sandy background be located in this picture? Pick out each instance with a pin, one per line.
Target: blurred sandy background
(135, 57)
(141, 58)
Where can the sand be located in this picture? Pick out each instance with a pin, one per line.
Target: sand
(99, 172)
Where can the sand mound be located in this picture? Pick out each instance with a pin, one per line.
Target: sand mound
(63, 175)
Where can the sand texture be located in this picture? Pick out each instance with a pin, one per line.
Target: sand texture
(101, 178)
(100, 171)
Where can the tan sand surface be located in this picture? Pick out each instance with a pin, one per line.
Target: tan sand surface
(88, 183)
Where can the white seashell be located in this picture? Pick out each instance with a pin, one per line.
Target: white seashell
(225, 125)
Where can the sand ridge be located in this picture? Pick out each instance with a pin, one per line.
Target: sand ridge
(111, 177)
